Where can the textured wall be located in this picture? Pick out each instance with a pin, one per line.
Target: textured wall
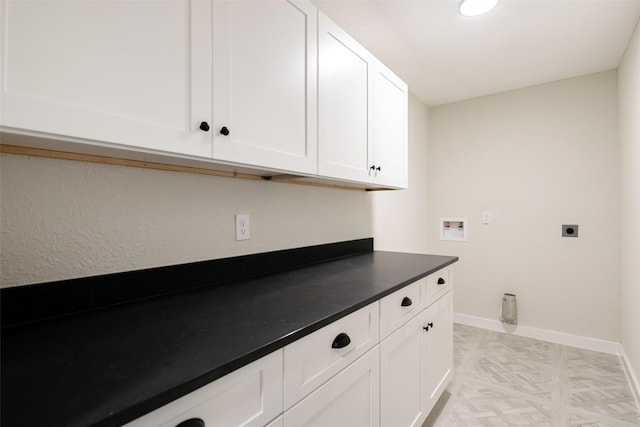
(629, 93)
(536, 158)
(62, 219)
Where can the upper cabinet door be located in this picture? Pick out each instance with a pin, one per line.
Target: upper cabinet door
(362, 113)
(390, 128)
(134, 73)
(344, 104)
(264, 84)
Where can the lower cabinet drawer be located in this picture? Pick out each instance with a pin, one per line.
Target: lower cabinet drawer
(438, 284)
(397, 308)
(250, 396)
(314, 359)
(350, 399)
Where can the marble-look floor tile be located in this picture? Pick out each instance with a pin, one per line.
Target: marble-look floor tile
(521, 375)
(478, 405)
(501, 379)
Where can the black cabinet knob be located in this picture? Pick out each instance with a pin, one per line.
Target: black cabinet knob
(341, 341)
(441, 281)
(378, 169)
(192, 422)
(204, 126)
(429, 325)
(373, 167)
(224, 131)
(406, 302)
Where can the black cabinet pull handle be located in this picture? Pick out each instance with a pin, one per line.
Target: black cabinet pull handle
(224, 130)
(429, 325)
(204, 126)
(373, 167)
(378, 169)
(341, 341)
(192, 422)
(406, 302)
(441, 281)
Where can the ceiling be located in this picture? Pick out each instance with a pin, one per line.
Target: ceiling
(445, 57)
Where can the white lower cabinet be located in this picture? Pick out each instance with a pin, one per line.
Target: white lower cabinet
(249, 396)
(346, 374)
(437, 349)
(351, 398)
(311, 361)
(416, 365)
(401, 365)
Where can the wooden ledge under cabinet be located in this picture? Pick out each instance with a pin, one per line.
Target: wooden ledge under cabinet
(182, 165)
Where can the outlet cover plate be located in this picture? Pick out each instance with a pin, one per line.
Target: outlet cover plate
(243, 229)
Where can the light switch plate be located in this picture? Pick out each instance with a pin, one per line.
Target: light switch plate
(486, 217)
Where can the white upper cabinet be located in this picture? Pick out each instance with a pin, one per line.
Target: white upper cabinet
(132, 73)
(362, 112)
(390, 128)
(273, 86)
(264, 84)
(344, 104)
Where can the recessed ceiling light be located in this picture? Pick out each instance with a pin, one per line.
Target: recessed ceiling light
(476, 7)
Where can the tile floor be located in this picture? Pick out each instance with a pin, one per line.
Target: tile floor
(507, 380)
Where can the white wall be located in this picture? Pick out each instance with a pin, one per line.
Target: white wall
(400, 217)
(536, 158)
(62, 219)
(629, 99)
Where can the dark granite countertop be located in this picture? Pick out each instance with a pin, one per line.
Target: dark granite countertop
(110, 365)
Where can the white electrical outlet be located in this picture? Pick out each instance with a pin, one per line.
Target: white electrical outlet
(243, 230)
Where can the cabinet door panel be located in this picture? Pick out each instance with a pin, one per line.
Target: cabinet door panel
(400, 376)
(351, 398)
(264, 83)
(437, 349)
(390, 135)
(344, 104)
(122, 72)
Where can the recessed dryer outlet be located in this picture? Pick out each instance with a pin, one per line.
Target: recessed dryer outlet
(569, 230)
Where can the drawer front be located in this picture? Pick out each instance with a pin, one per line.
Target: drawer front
(250, 396)
(350, 399)
(314, 359)
(437, 284)
(397, 308)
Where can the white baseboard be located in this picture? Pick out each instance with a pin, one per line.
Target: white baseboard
(632, 378)
(541, 334)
